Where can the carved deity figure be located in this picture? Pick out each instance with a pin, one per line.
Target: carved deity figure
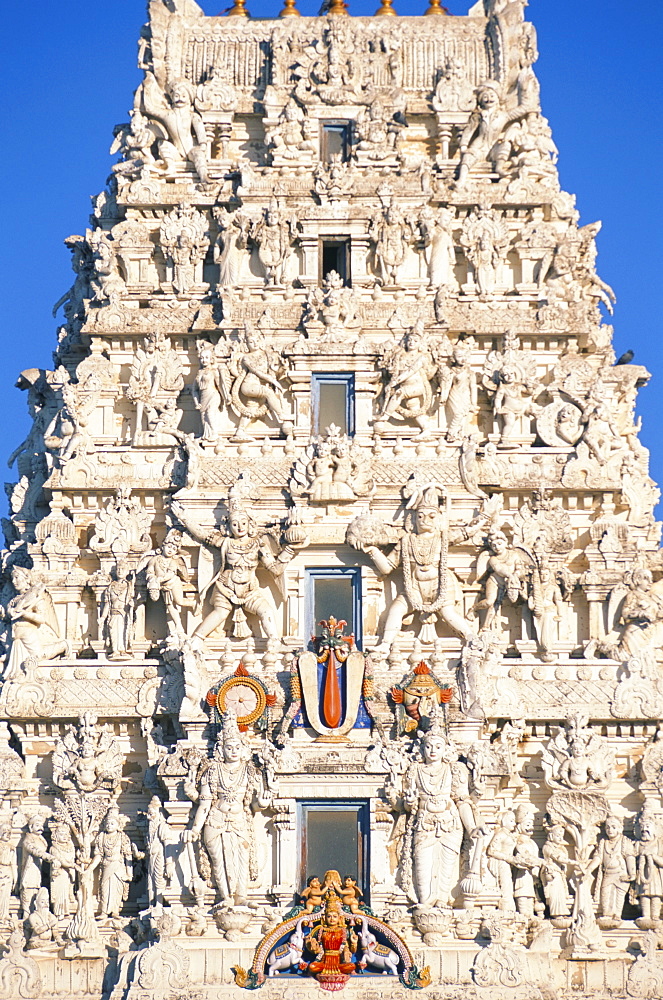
(134, 140)
(122, 526)
(35, 629)
(183, 130)
(34, 852)
(639, 614)
(228, 785)
(458, 387)
(483, 137)
(485, 239)
(291, 139)
(116, 616)
(434, 228)
(527, 862)
(251, 383)
(430, 587)
(334, 306)
(113, 853)
(166, 574)
(578, 758)
(63, 870)
(333, 468)
(510, 378)
(243, 547)
(332, 942)
(500, 855)
(546, 602)
(159, 865)
(615, 861)
(8, 870)
(378, 130)
(410, 370)
(391, 234)
(505, 570)
(274, 235)
(207, 392)
(43, 926)
(87, 758)
(649, 871)
(572, 276)
(156, 377)
(230, 249)
(554, 876)
(436, 796)
(106, 281)
(184, 238)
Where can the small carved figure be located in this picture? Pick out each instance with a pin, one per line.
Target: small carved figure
(312, 894)
(578, 758)
(436, 234)
(546, 602)
(63, 870)
(185, 137)
(351, 893)
(334, 306)
(527, 862)
(615, 859)
(156, 377)
(34, 852)
(554, 877)
(429, 585)
(333, 468)
(274, 235)
(230, 249)
(485, 239)
(35, 629)
(87, 758)
(8, 870)
(410, 369)
(116, 616)
(160, 868)
(500, 854)
(290, 139)
(227, 786)
(391, 234)
(378, 130)
(505, 569)
(483, 137)
(243, 547)
(43, 926)
(184, 237)
(458, 384)
(113, 851)
(649, 872)
(250, 381)
(166, 574)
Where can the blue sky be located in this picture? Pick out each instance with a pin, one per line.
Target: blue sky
(68, 71)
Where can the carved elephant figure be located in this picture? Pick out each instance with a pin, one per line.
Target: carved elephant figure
(378, 955)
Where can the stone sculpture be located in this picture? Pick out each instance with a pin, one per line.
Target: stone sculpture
(35, 630)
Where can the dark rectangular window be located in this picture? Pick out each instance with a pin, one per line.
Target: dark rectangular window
(333, 591)
(334, 140)
(334, 835)
(335, 256)
(333, 402)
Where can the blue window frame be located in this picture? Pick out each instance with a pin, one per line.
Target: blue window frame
(334, 834)
(335, 591)
(333, 398)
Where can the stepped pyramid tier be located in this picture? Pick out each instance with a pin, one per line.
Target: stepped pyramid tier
(333, 601)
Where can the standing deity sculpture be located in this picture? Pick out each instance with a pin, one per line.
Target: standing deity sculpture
(553, 874)
(250, 380)
(429, 585)
(166, 575)
(435, 230)
(572, 276)
(616, 868)
(106, 281)
(649, 868)
(63, 870)
(116, 611)
(113, 853)
(160, 867)
(333, 468)
(510, 378)
(332, 307)
(500, 855)
(230, 249)
(504, 569)
(526, 861)
(274, 235)
(436, 796)
(8, 868)
(228, 787)
(156, 378)
(34, 852)
(183, 136)
(184, 238)
(243, 548)
(485, 239)
(391, 233)
(458, 390)
(207, 392)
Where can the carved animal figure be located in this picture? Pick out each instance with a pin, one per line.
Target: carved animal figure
(377, 955)
(288, 955)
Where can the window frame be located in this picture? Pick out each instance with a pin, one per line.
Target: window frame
(363, 812)
(333, 378)
(313, 573)
(341, 240)
(328, 125)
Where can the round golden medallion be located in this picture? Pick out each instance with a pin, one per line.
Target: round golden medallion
(245, 696)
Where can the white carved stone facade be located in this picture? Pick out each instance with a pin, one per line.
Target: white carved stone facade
(334, 347)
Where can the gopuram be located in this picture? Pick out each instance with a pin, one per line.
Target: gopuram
(332, 596)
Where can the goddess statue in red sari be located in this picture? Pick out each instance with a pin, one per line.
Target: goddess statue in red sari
(333, 943)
